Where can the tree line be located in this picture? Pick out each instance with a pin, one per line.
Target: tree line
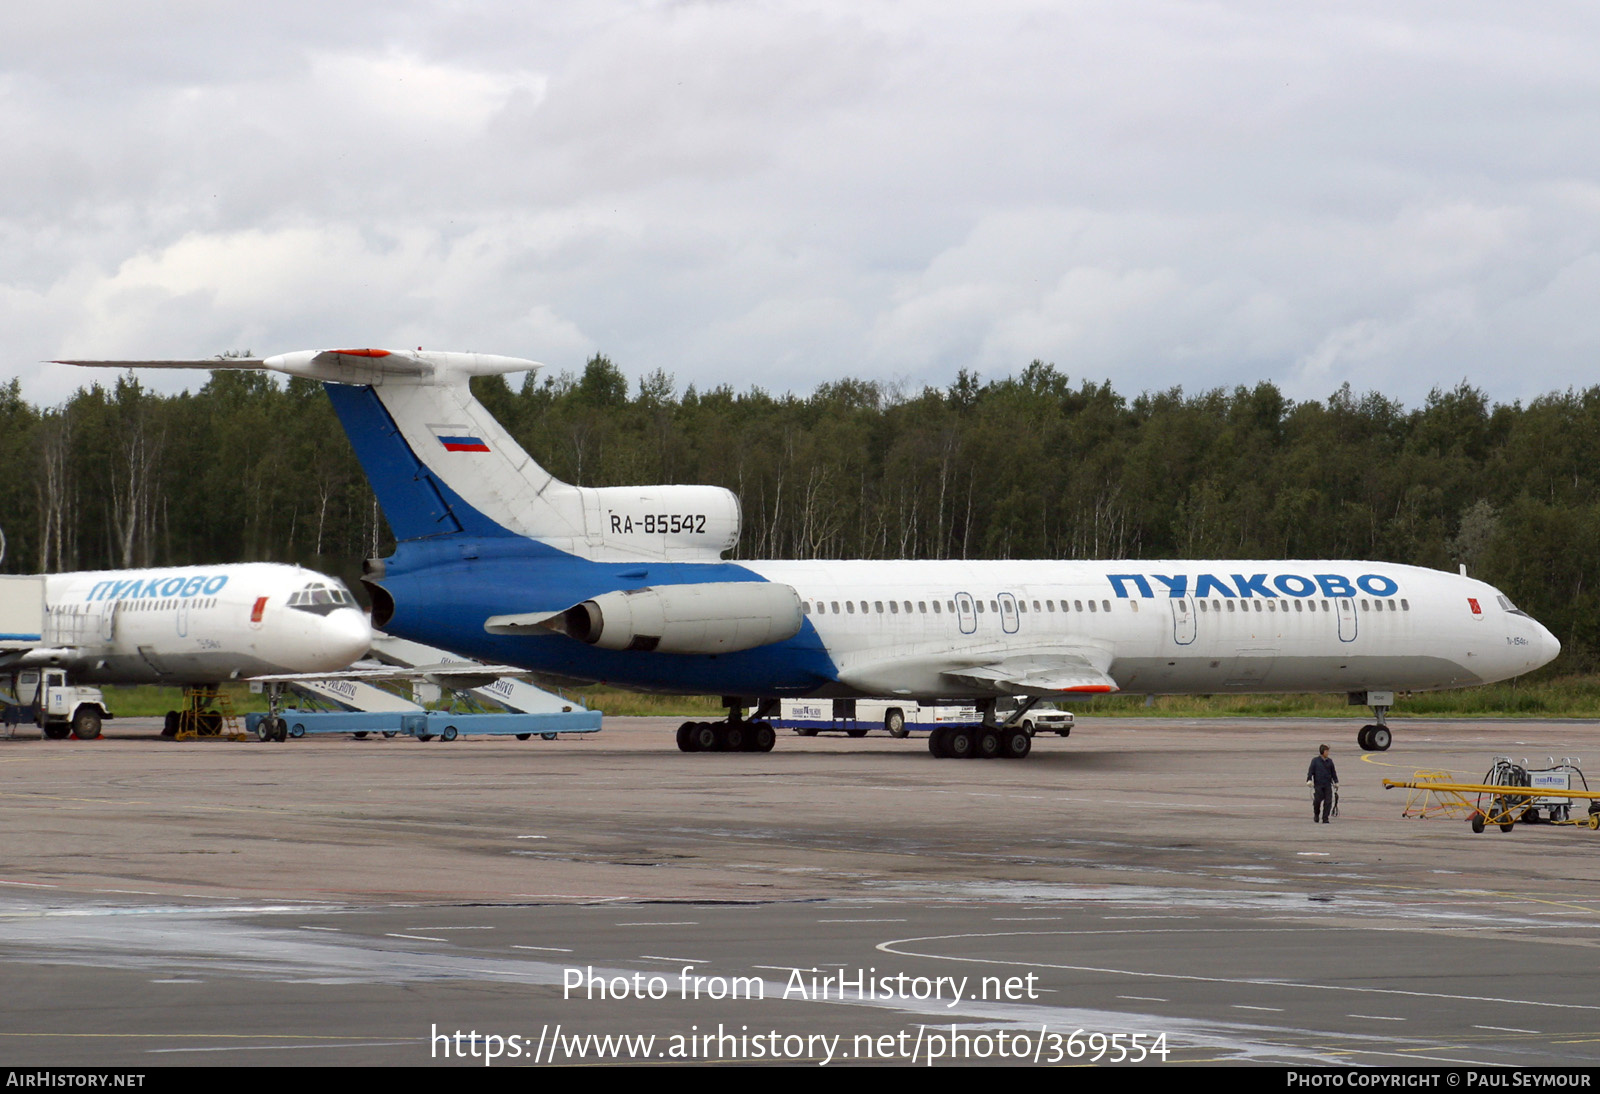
(1030, 465)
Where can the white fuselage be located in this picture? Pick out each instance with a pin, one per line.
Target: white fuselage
(1266, 625)
(198, 624)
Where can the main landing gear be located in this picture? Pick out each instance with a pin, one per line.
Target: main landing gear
(987, 740)
(206, 712)
(1376, 737)
(734, 733)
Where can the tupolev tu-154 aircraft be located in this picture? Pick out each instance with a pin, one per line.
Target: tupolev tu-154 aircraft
(498, 559)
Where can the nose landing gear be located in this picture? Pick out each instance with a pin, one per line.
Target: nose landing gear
(1375, 737)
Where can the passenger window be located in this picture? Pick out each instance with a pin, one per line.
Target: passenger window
(1077, 605)
(850, 606)
(894, 607)
(1091, 605)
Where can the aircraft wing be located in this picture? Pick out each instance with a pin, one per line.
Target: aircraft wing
(451, 674)
(1043, 669)
(1043, 675)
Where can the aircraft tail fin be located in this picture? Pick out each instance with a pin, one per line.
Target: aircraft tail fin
(442, 466)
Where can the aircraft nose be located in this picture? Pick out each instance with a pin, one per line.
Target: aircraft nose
(345, 636)
(1546, 646)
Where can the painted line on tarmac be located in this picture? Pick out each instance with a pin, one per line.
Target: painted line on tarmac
(892, 944)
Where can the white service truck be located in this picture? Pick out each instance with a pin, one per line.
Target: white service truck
(43, 697)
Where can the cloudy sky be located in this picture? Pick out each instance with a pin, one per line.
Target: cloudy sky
(1397, 195)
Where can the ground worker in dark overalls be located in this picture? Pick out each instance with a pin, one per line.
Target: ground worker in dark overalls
(1324, 777)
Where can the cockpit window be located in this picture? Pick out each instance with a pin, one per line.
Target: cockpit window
(320, 599)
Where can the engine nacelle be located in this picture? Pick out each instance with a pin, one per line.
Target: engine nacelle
(673, 522)
(713, 617)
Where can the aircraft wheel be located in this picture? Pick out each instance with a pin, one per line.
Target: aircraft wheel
(1476, 820)
(280, 730)
(730, 737)
(894, 724)
(266, 729)
(936, 741)
(762, 737)
(960, 743)
(685, 738)
(987, 744)
(169, 727)
(1380, 738)
(86, 723)
(704, 736)
(449, 734)
(1364, 738)
(1015, 744)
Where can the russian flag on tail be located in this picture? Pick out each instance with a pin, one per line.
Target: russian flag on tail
(463, 444)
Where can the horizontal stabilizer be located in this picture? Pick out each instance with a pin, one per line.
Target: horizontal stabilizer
(352, 366)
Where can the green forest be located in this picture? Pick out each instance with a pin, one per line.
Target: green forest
(1032, 465)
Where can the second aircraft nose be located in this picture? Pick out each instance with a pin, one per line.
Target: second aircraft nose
(344, 636)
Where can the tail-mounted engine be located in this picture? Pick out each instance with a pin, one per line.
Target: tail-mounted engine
(713, 617)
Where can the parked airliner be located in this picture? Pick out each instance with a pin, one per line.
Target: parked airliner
(193, 626)
(498, 559)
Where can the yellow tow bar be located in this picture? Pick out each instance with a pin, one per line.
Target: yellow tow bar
(1507, 804)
